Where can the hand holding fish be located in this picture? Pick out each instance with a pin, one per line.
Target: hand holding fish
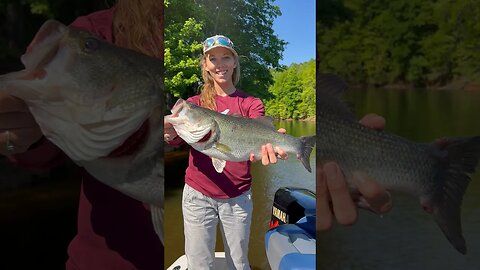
(269, 154)
(18, 129)
(334, 197)
(169, 132)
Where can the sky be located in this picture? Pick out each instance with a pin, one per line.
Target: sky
(296, 26)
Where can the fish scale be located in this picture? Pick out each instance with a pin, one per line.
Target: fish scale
(411, 168)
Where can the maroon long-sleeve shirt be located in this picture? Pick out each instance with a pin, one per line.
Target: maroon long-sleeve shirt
(114, 231)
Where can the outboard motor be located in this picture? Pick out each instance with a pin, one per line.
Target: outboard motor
(290, 242)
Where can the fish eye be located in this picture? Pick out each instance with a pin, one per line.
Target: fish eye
(91, 44)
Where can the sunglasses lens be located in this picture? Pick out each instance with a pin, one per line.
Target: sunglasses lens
(209, 42)
(216, 40)
(223, 41)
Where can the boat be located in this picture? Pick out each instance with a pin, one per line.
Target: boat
(290, 242)
(181, 263)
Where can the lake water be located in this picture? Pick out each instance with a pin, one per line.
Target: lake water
(266, 181)
(407, 237)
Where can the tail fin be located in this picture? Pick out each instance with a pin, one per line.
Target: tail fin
(457, 157)
(308, 142)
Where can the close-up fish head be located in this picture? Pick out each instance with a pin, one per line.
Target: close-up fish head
(112, 81)
(82, 88)
(90, 98)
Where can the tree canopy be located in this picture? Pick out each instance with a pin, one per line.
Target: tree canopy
(247, 22)
(416, 42)
(20, 20)
(293, 92)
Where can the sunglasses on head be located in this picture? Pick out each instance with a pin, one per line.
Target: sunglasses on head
(217, 40)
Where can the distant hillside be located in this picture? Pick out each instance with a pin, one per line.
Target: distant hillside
(293, 92)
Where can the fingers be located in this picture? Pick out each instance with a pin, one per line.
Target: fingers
(169, 133)
(271, 155)
(373, 195)
(373, 121)
(342, 204)
(17, 120)
(268, 154)
(324, 214)
(166, 124)
(21, 139)
(281, 153)
(12, 104)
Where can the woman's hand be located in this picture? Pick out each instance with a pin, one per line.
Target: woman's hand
(334, 197)
(270, 154)
(169, 132)
(18, 129)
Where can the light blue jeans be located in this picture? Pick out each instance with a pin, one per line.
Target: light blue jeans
(201, 214)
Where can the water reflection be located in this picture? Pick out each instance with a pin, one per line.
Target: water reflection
(408, 238)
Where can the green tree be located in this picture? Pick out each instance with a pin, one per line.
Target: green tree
(421, 43)
(293, 92)
(247, 22)
(21, 19)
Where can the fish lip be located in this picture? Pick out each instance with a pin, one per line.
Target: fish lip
(178, 107)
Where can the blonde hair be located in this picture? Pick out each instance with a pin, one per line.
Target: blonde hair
(208, 92)
(138, 25)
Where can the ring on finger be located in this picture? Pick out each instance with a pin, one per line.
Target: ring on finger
(8, 144)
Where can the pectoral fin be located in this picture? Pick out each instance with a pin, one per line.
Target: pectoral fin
(223, 148)
(218, 164)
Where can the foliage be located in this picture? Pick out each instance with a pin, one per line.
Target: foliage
(293, 92)
(422, 43)
(20, 20)
(247, 22)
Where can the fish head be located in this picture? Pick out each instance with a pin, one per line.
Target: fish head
(89, 73)
(87, 95)
(191, 122)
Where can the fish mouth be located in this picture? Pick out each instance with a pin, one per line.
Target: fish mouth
(45, 44)
(178, 107)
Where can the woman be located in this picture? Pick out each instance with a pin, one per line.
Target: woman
(210, 198)
(114, 231)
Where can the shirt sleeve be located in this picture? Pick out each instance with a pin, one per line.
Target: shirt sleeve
(83, 23)
(256, 108)
(98, 23)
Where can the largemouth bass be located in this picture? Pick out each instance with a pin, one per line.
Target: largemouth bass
(89, 97)
(226, 137)
(436, 173)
